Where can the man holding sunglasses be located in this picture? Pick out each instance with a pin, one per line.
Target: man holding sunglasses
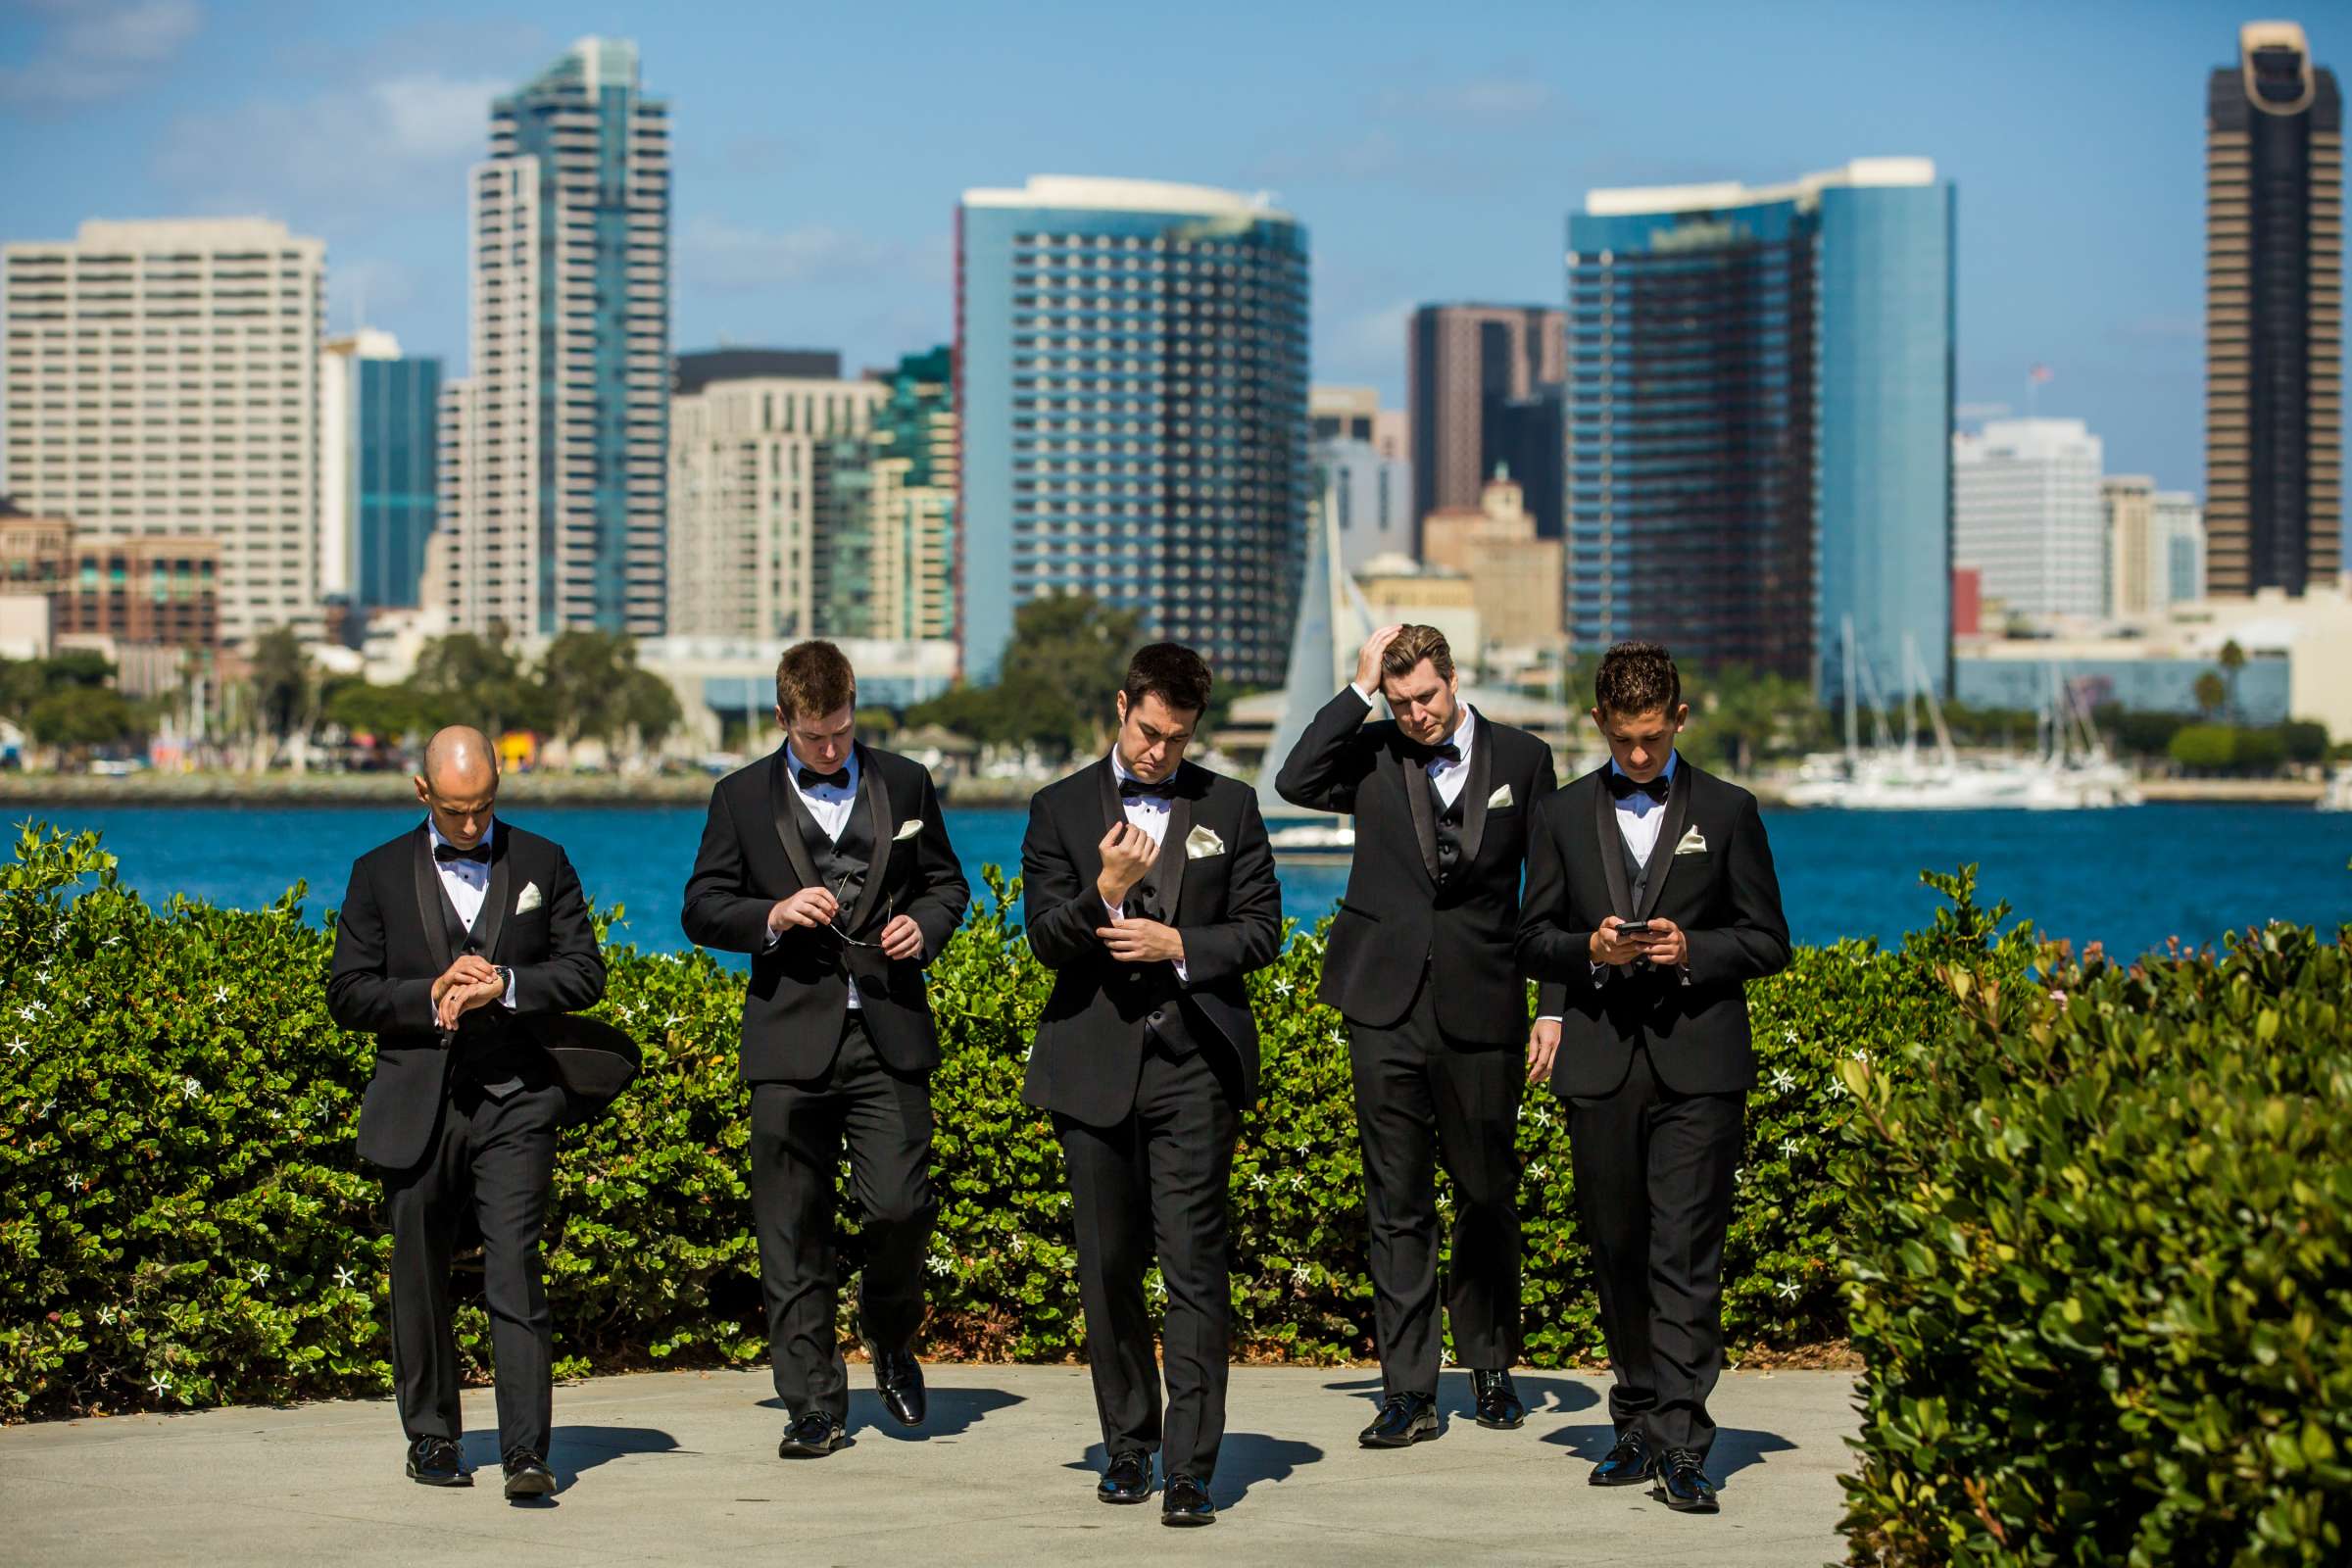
(828, 863)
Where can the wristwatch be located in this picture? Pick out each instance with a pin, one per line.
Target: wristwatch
(506, 981)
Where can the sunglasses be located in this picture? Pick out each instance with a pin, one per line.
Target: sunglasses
(840, 897)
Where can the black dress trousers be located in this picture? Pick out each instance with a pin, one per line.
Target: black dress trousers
(798, 1134)
(1421, 1097)
(498, 1156)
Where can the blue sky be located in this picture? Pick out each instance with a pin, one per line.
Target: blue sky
(1431, 152)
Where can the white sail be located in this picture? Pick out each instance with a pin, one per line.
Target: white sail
(1334, 620)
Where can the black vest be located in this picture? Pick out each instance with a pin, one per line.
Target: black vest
(486, 1049)
(1449, 827)
(844, 864)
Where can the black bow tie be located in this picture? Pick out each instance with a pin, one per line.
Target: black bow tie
(1130, 788)
(1442, 752)
(1624, 788)
(810, 778)
(479, 855)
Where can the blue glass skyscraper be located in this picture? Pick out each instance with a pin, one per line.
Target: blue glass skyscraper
(378, 470)
(1132, 379)
(1759, 415)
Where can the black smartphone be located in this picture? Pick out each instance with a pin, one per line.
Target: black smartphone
(1636, 930)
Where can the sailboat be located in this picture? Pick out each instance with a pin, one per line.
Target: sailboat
(1334, 620)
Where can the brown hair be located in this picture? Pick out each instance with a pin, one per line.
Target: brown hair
(1637, 678)
(1413, 644)
(1174, 672)
(813, 679)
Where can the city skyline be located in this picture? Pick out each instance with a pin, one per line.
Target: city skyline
(829, 223)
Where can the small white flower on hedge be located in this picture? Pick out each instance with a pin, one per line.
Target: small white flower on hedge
(1539, 1170)
(1789, 1146)
(31, 1013)
(1784, 1080)
(1257, 1182)
(1788, 1288)
(1300, 1275)
(939, 1264)
(1790, 1035)
(344, 1277)
(105, 1316)
(1738, 1175)
(160, 1386)
(1283, 987)
(190, 1088)
(17, 1047)
(1338, 1038)
(219, 993)
(1298, 1182)
(261, 1273)
(1859, 1055)
(1837, 1087)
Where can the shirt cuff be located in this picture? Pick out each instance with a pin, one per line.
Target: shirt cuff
(508, 999)
(1360, 692)
(1550, 1017)
(1113, 910)
(1601, 972)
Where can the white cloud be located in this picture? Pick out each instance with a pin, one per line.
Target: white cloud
(95, 51)
(724, 256)
(400, 144)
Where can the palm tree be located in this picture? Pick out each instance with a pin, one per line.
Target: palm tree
(2233, 660)
(2211, 693)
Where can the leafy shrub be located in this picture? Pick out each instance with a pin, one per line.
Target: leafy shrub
(2101, 1259)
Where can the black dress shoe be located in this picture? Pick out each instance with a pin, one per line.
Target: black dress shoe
(1684, 1485)
(1498, 1403)
(1406, 1419)
(1628, 1462)
(527, 1476)
(1127, 1480)
(1186, 1502)
(438, 1462)
(899, 1375)
(812, 1435)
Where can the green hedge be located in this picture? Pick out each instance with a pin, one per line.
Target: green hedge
(182, 1221)
(2101, 1260)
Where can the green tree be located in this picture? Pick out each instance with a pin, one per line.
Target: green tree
(467, 679)
(1067, 655)
(2304, 740)
(385, 712)
(2212, 693)
(2233, 660)
(75, 717)
(2205, 748)
(647, 707)
(282, 687)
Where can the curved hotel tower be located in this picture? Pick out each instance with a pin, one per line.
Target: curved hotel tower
(1760, 418)
(1131, 368)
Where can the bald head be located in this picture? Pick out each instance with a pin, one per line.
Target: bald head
(459, 783)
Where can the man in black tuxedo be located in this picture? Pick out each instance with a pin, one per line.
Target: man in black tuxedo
(1652, 899)
(1422, 965)
(450, 937)
(1150, 889)
(829, 864)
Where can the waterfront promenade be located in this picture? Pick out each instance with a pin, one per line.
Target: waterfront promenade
(680, 1467)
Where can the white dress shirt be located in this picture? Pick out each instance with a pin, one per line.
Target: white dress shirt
(467, 884)
(830, 805)
(1146, 811)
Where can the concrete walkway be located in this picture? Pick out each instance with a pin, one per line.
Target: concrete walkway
(681, 1468)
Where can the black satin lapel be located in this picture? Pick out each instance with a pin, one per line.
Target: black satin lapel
(1113, 813)
(1167, 872)
(429, 902)
(1479, 782)
(873, 796)
(1670, 833)
(1413, 779)
(493, 917)
(1612, 846)
(787, 834)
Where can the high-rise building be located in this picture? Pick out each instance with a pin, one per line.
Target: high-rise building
(1132, 368)
(378, 469)
(887, 567)
(2273, 318)
(1761, 417)
(1355, 414)
(1514, 572)
(1368, 495)
(2179, 525)
(163, 380)
(751, 494)
(2028, 518)
(1465, 366)
(555, 448)
(699, 367)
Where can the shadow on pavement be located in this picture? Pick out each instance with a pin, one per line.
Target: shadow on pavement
(1736, 1448)
(1542, 1392)
(572, 1450)
(1244, 1460)
(952, 1412)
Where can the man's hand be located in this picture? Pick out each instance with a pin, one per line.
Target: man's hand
(1143, 942)
(810, 906)
(470, 969)
(1617, 943)
(1542, 1045)
(1128, 855)
(462, 999)
(1367, 663)
(902, 939)
(1667, 947)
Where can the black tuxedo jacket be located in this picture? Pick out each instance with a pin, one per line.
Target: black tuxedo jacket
(1725, 898)
(1090, 1040)
(1394, 921)
(752, 855)
(391, 944)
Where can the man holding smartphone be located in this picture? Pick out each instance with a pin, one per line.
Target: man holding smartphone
(1650, 892)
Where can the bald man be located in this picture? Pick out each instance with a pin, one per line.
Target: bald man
(449, 937)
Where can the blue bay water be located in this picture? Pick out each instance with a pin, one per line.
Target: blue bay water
(2130, 878)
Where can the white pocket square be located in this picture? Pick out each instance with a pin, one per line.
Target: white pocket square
(907, 830)
(1693, 843)
(1499, 799)
(530, 898)
(1202, 843)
